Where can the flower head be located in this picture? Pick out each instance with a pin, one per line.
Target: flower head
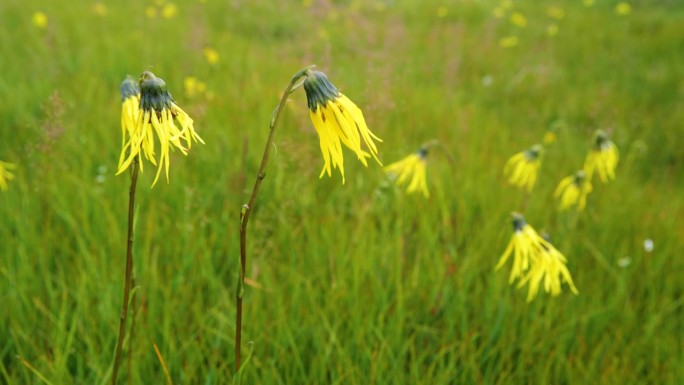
(337, 121)
(603, 158)
(535, 261)
(40, 20)
(155, 114)
(5, 174)
(411, 170)
(573, 190)
(522, 168)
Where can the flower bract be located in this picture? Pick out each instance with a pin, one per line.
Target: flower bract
(338, 121)
(411, 171)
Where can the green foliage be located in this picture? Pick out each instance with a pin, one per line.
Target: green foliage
(353, 284)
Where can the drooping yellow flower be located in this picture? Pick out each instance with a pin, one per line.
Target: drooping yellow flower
(573, 191)
(337, 121)
(155, 116)
(603, 158)
(525, 246)
(535, 261)
(522, 168)
(40, 20)
(412, 171)
(169, 10)
(549, 268)
(518, 19)
(5, 174)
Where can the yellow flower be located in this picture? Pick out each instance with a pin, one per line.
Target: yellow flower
(442, 11)
(411, 170)
(549, 268)
(522, 168)
(623, 9)
(555, 12)
(40, 20)
(535, 260)
(5, 174)
(550, 137)
(169, 11)
(211, 55)
(508, 41)
(100, 9)
(573, 190)
(337, 121)
(525, 246)
(603, 158)
(518, 19)
(155, 115)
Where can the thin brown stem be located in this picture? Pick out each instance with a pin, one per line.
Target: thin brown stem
(129, 358)
(247, 209)
(129, 271)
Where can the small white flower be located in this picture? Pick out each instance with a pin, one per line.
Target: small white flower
(648, 245)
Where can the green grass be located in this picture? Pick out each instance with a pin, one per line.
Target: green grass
(358, 284)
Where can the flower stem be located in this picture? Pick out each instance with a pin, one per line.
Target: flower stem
(247, 209)
(129, 270)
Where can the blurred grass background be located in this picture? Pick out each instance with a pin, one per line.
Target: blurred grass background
(353, 284)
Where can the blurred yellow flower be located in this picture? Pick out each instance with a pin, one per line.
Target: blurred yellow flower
(155, 115)
(100, 9)
(442, 11)
(518, 19)
(623, 9)
(573, 191)
(522, 168)
(5, 174)
(169, 11)
(499, 12)
(412, 171)
(508, 41)
(555, 12)
(550, 137)
(40, 20)
(552, 30)
(549, 268)
(535, 261)
(151, 12)
(588, 3)
(337, 121)
(193, 87)
(603, 158)
(524, 246)
(211, 55)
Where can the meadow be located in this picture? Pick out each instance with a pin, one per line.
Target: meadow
(354, 283)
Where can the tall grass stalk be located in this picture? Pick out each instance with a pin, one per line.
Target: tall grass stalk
(247, 208)
(129, 271)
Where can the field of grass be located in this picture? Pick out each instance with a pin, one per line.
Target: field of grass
(358, 283)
